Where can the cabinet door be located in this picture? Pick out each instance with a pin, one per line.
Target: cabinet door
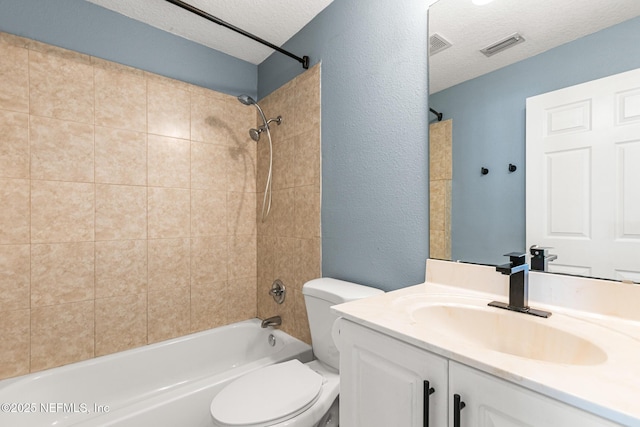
(493, 402)
(382, 381)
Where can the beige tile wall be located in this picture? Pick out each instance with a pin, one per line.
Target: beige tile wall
(128, 207)
(440, 176)
(289, 240)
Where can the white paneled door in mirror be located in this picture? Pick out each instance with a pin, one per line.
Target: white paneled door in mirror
(583, 176)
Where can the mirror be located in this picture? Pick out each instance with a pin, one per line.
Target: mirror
(561, 44)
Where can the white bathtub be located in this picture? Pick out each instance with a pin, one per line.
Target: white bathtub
(165, 384)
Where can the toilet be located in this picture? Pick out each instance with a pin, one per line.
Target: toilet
(293, 393)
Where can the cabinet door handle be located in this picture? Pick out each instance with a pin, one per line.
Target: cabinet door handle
(457, 407)
(425, 407)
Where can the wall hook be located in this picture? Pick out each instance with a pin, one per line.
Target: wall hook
(484, 171)
(512, 167)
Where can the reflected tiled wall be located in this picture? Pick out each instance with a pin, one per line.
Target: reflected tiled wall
(289, 240)
(128, 207)
(440, 176)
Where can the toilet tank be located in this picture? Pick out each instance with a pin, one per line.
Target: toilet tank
(319, 295)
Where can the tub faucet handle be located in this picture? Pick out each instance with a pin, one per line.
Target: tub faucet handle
(278, 291)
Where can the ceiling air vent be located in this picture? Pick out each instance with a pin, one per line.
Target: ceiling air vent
(503, 44)
(437, 43)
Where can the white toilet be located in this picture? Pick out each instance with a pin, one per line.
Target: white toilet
(292, 393)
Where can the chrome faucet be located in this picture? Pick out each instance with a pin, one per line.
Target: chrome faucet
(518, 271)
(271, 321)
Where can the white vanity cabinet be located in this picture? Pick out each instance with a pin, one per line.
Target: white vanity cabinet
(493, 402)
(382, 383)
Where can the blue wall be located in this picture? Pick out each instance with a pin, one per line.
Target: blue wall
(88, 28)
(488, 218)
(374, 136)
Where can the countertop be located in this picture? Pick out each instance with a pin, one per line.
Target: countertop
(609, 388)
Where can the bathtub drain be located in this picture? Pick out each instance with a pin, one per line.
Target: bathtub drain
(272, 340)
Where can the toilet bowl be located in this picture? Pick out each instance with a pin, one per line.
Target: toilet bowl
(292, 393)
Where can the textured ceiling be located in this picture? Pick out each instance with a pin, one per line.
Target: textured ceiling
(544, 24)
(275, 21)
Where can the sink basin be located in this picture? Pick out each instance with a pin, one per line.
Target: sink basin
(507, 332)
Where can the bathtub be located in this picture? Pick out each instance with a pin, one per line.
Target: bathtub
(170, 383)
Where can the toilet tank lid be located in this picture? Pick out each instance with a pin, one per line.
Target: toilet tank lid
(338, 291)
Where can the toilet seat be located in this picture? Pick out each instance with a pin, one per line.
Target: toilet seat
(267, 396)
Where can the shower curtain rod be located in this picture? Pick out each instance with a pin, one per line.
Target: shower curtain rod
(439, 115)
(304, 60)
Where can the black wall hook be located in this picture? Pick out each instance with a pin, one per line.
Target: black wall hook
(512, 167)
(484, 171)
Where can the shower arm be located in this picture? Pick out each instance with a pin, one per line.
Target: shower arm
(278, 121)
(186, 6)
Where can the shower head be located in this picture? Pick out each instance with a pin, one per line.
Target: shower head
(247, 100)
(255, 134)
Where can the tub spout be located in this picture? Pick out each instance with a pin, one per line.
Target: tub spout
(272, 321)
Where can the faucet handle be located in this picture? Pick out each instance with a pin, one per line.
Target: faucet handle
(516, 258)
(540, 257)
(539, 251)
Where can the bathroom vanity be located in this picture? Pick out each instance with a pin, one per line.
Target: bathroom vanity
(436, 354)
